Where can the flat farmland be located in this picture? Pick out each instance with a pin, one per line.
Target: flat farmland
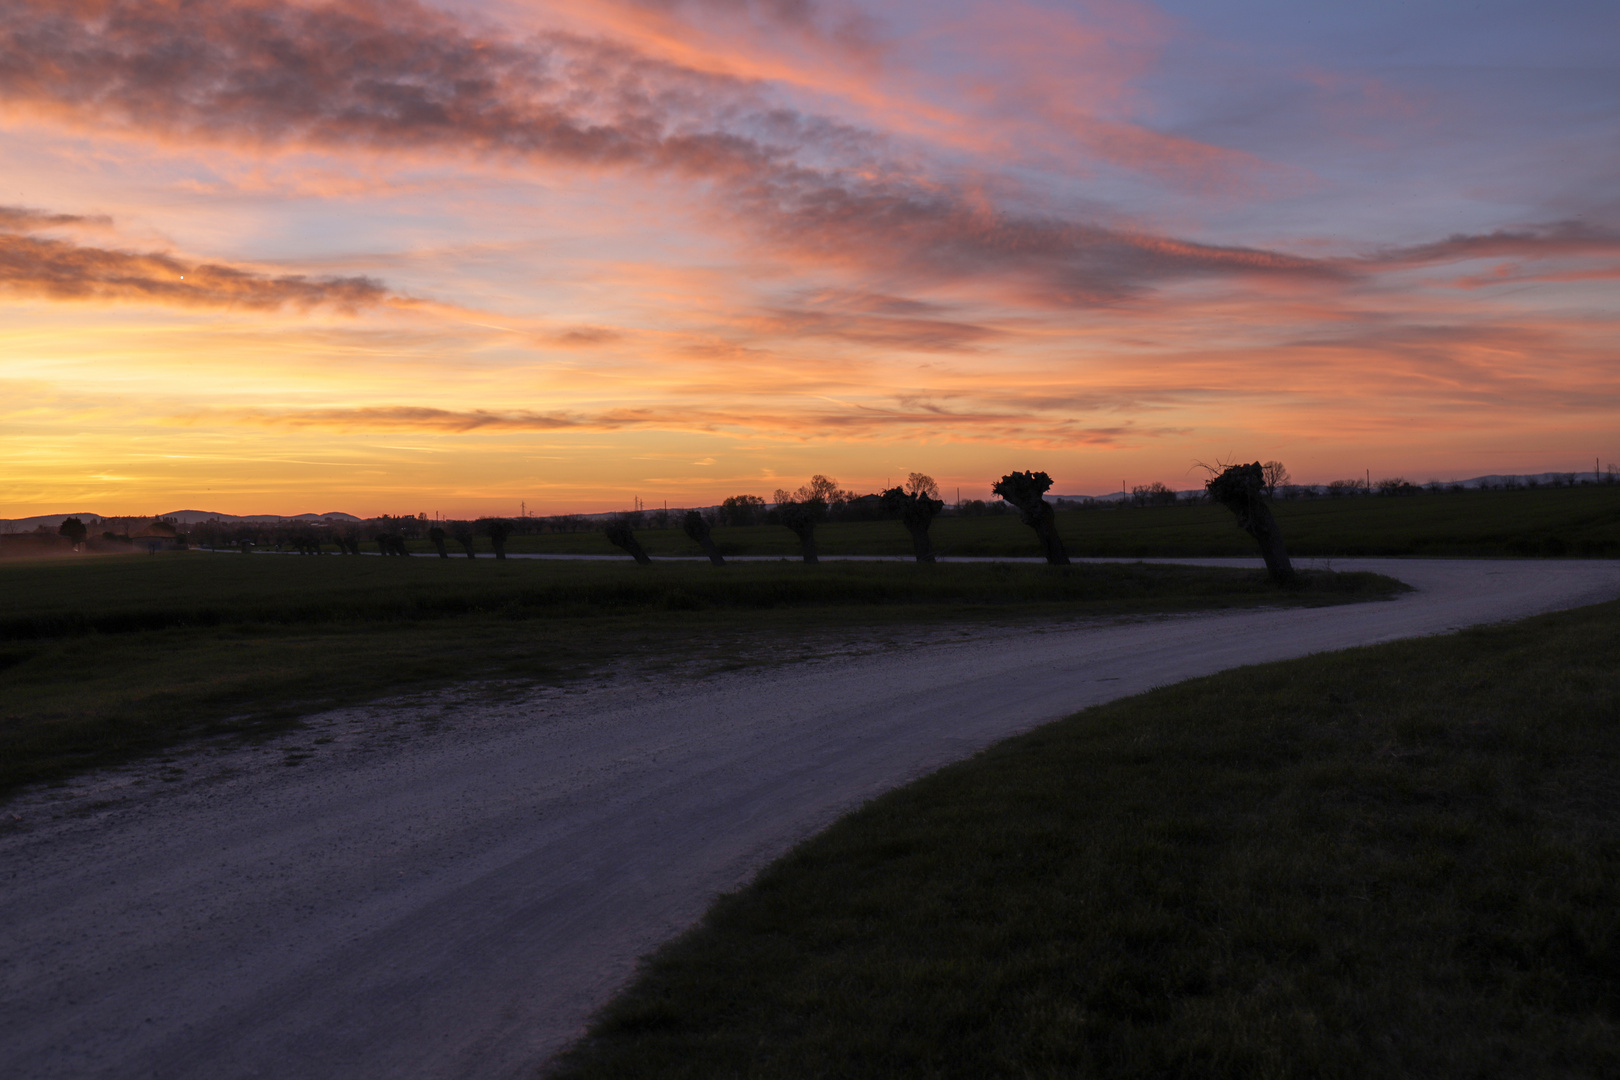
(1538, 522)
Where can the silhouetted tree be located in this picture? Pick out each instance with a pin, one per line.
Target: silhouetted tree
(698, 529)
(74, 530)
(917, 512)
(1154, 494)
(463, 532)
(921, 484)
(498, 529)
(742, 510)
(1242, 490)
(437, 535)
(801, 517)
(621, 535)
(1276, 476)
(1024, 490)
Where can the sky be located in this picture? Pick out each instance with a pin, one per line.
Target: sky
(482, 256)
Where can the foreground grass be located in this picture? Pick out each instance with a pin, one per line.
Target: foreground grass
(1529, 522)
(1401, 860)
(104, 659)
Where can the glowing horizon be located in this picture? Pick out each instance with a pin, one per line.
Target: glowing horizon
(274, 256)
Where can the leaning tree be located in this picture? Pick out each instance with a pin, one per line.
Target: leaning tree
(697, 527)
(466, 536)
(916, 512)
(498, 529)
(1242, 490)
(1024, 490)
(437, 535)
(801, 517)
(621, 535)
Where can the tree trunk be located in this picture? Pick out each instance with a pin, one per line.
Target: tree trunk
(438, 542)
(802, 520)
(920, 541)
(697, 528)
(1263, 527)
(620, 535)
(1046, 530)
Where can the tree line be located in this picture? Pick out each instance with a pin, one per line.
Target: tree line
(1245, 490)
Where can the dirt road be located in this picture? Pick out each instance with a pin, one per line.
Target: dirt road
(451, 897)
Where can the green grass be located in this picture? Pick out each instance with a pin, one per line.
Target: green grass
(1396, 861)
(1536, 522)
(107, 658)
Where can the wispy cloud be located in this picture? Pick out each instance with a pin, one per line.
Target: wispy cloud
(33, 265)
(902, 419)
(1533, 241)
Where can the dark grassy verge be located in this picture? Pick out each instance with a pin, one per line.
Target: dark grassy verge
(104, 659)
(1540, 522)
(1393, 861)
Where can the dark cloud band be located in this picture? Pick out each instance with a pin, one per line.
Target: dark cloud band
(399, 76)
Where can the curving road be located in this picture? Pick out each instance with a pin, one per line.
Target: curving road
(453, 900)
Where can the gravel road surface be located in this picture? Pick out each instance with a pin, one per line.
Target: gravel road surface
(448, 889)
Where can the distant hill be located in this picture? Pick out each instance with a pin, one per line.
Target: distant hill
(191, 517)
(53, 520)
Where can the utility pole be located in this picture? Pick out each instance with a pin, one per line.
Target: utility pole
(1369, 481)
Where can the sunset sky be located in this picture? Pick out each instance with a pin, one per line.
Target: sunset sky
(264, 256)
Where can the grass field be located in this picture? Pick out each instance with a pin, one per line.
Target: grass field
(1395, 861)
(103, 658)
(1537, 522)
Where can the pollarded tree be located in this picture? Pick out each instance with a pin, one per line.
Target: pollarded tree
(801, 517)
(437, 535)
(466, 536)
(621, 535)
(916, 512)
(697, 527)
(1242, 490)
(1024, 490)
(498, 529)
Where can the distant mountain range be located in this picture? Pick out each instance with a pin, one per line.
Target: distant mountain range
(180, 517)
